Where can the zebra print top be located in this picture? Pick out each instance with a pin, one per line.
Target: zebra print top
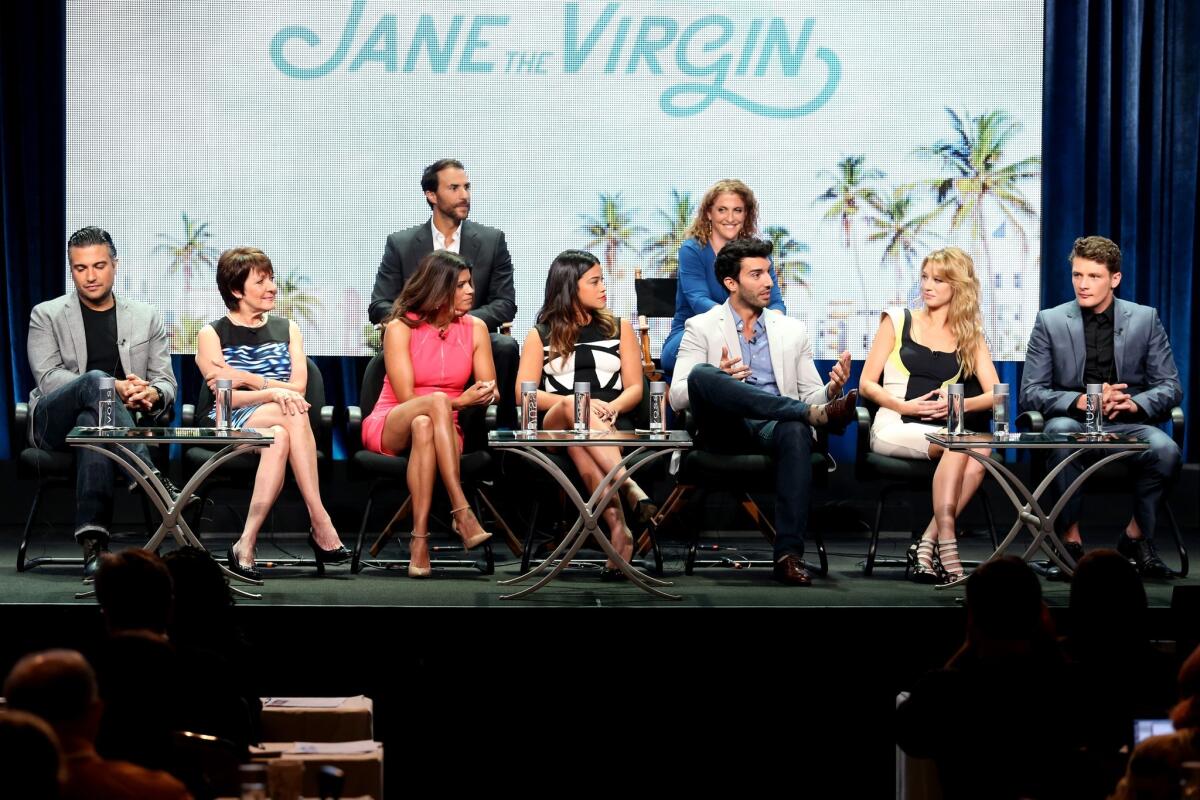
(262, 351)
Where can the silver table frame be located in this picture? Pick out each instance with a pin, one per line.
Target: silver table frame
(1030, 513)
(529, 445)
(107, 442)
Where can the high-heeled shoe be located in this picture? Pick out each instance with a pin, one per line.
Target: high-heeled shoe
(335, 556)
(917, 572)
(239, 569)
(474, 541)
(950, 566)
(413, 570)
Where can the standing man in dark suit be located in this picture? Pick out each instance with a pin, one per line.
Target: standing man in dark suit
(1097, 338)
(448, 192)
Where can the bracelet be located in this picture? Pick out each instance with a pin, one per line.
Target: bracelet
(264, 386)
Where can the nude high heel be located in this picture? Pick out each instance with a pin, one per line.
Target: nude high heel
(475, 540)
(413, 570)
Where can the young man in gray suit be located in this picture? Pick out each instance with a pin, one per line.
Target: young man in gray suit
(1097, 338)
(747, 374)
(448, 192)
(75, 341)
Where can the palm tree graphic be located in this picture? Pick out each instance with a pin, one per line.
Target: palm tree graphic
(189, 254)
(293, 302)
(613, 228)
(848, 196)
(896, 221)
(979, 179)
(790, 265)
(663, 249)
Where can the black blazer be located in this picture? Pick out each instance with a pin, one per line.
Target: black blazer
(483, 248)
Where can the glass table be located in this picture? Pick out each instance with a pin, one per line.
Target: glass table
(1031, 515)
(113, 443)
(532, 445)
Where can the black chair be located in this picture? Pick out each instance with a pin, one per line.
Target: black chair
(390, 473)
(239, 472)
(1116, 478)
(899, 475)
(655, 300)
(703, 471)
(54, 470)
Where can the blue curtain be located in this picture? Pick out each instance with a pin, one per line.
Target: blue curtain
(1121, 152)
(32, 181)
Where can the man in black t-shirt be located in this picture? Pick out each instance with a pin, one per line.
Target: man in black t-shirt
(77, 340)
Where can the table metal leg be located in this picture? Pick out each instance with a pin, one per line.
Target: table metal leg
(172, 512)
(1030, 514)
(588, 524)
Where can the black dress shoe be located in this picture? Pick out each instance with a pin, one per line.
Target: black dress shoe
(1145, 556)
(1074, 550)
(172, 490)
(612, 574)
(790, 570)
(93, 546)
(840, 412)
(237, 568)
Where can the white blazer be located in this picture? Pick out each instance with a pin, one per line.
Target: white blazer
(791, 353)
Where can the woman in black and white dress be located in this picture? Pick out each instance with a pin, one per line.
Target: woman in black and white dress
(578, 339)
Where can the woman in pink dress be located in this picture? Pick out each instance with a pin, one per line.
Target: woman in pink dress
(430, 348)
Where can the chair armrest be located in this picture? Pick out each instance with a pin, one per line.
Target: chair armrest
(21, 425)
(506, 329)
(862, 444)
(1177, 421)
(353, 441)
(1031, 421)
(325, 435)
(189, 415)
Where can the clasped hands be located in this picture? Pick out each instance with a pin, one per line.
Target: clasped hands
(1114, 401)
(136, 393)
(480, 393)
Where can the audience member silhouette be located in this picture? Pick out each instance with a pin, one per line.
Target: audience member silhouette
(1112, 664)
(981, 717)
(60, 687)
(1156, 765)
(211, 647)
(29, 757)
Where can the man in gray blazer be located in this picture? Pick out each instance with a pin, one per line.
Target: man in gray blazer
(75, 341)
(1097, 338)
(448, 192)
(747, 374)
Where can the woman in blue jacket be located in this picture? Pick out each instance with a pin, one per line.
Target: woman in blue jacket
(727, 212)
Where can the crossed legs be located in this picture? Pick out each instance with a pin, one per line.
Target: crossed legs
(593, 463)
(425, 427)
(955, 481)
(294, 444)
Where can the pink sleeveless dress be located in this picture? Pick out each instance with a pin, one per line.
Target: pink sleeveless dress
(439, 365)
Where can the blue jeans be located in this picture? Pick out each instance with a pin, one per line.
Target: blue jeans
(54, 417)
(1153, 470)
(732, 416)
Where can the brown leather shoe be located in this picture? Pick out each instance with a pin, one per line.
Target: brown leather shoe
(841, 411)
(791, 570)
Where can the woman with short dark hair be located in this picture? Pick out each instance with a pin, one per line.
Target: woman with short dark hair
(264, 357)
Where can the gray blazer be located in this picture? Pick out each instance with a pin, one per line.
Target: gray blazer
(483, 247)
(58, 346)
(791, 353)
(1055, 360)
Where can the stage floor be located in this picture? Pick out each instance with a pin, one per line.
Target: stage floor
(716, 587)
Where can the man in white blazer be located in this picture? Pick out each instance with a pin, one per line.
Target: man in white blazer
(747, 374)
(1097, 338)
(74, 342)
